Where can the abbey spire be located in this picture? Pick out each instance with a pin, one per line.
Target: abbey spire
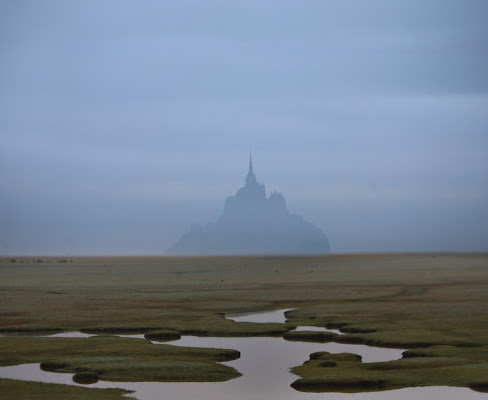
(250, 178)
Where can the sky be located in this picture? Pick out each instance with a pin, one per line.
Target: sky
(123, 122)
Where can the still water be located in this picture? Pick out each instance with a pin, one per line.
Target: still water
(264, 364)
(275, 316)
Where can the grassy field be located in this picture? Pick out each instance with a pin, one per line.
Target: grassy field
(12, 389)
(433, 304)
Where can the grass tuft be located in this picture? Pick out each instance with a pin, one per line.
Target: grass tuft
(162, 335)
(86, 378)
(310, 336)
(52, 366)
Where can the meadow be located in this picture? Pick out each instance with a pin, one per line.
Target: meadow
(434, 305)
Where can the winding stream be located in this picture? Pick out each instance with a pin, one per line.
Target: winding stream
(264, 364)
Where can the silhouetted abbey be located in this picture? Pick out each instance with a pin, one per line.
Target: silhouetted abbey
(253, 224)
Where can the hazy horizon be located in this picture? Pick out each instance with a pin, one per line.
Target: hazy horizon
(121, 124)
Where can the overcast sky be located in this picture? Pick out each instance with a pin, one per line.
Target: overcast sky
(123, 122)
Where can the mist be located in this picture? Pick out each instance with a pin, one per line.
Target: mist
(122, 124)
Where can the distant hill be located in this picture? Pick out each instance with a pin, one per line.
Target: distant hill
(253, 224)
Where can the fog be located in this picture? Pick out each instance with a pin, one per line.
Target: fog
(123, 123)
(253, 223)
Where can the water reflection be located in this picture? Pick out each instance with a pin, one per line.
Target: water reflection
(264, 363)
(275, 316)
(71, 335)
(238, 389)
(318, 328)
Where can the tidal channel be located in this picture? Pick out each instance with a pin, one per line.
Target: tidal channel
(265, 364)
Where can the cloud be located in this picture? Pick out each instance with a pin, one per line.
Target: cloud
(348, 106)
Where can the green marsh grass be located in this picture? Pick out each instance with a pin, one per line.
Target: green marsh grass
(432, 304)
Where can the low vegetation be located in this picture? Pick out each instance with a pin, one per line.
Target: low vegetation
(432, 304)
(310, 336)
(86, 377)
(20, 390)
(114, 358)
(439, 366)
(163, 335)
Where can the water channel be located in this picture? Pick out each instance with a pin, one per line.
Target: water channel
(264, 364)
